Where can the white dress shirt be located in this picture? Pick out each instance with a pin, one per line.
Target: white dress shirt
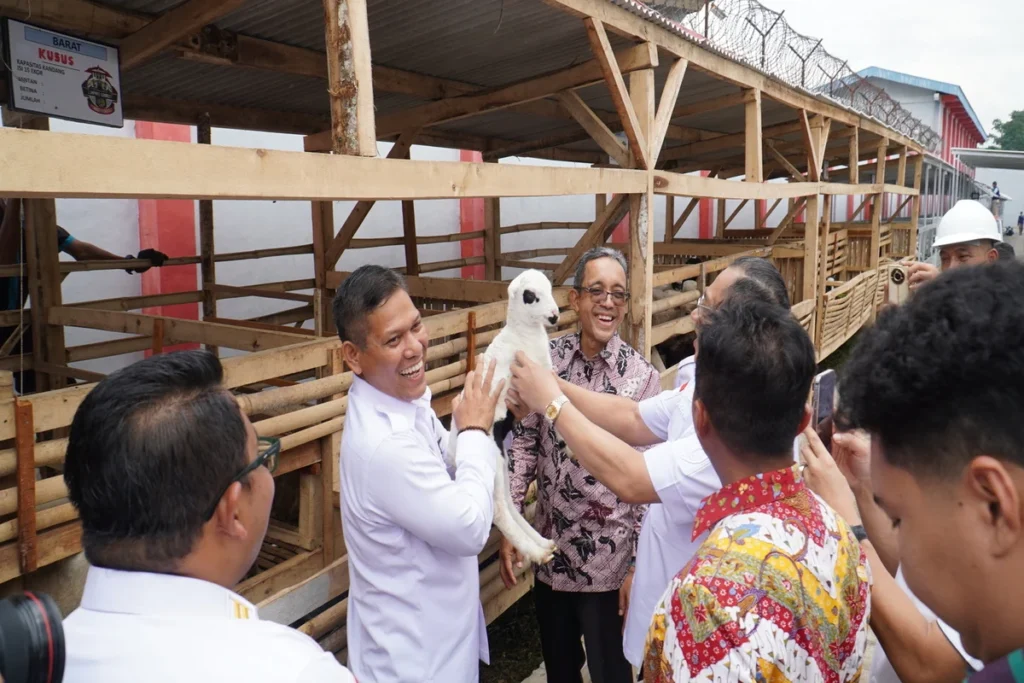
(413, 533)
(682, 476)
(881, 668)
(161, 628)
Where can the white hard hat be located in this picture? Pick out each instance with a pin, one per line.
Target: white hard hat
(967, 221)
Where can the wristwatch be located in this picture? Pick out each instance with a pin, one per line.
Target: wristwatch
(555, 407)
(859, 532)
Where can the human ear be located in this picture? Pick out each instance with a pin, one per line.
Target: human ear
(701, 420)
(227, 515)
(574, 300)
(805, 420)
(991, 484)
(350, 352)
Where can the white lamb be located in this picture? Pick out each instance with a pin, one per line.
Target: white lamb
(531, 309)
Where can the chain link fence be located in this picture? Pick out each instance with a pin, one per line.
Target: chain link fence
(748, 31)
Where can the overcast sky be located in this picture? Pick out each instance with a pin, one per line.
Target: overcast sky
(976, 44)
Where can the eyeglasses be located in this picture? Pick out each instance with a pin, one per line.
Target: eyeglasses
(268, 450)
(598, 295)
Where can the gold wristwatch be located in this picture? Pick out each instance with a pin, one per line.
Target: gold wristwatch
(555, 407)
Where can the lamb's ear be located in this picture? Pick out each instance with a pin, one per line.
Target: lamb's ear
(529, 297)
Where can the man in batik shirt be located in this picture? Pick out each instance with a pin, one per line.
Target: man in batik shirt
(578, 592)
(779, 591)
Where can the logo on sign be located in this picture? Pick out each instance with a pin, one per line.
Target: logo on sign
(99, 91)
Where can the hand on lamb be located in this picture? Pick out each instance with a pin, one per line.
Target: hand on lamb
(507, 555)
(535, 386)
(515, 405)
(479, 398)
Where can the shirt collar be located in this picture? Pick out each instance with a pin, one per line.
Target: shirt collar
(400, 413)
(1009, 669)
(608, 353)
(746, 494)
(146, 593)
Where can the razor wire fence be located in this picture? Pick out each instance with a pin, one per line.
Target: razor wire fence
(748, 31)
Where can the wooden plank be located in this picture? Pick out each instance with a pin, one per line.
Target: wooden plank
(492, 237)
(810, 285)
(793, 171)
(735, 212)
(176, 331)
(752, 132)
(713, 104)
(349, 79)
(915, 207)
(813, 161)
(610, 67)
(767, 215)
(170, 27)
(677, 226)
(158, 336)
(853, 162)
(295, 602)
(670, 215)
(131, 168)
(595, 234)
(281, 576)
(901, 167)
(785, 222)
(667, 182)
(595, 127)
(107, 349)
(666, 106)
(330, 451)
(241, 292)
(453, 108)
(28, 557)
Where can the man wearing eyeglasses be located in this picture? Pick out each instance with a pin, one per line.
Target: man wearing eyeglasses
(672, 476)
(581, 592)
(174, 491)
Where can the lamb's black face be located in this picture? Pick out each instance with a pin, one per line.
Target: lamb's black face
(529, 297)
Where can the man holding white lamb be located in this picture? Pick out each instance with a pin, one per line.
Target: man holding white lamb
(582, 591)
(413, 528)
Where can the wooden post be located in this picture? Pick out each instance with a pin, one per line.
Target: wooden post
(823, 241)
(330, 450)
(207, 250)
(158, 336)
(323, 233)
(720, 220)
(915, 205)
(349, 77)
(471, 341)
(876, 213)
(854, 160)
(412, 261)
(811, 247)
(492, 238)
(641, 221)
(25, 438)
(670, 218)
(753, 152)
(901, 168)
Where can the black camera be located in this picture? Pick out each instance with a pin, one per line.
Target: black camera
(31, 639)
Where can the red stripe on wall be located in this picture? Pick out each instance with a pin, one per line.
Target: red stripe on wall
(704, 214)
(471, 218)
(168, 225)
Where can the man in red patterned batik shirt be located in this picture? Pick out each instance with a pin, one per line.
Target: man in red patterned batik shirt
(578, 592)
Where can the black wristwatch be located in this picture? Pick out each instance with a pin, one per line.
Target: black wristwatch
(859, 532)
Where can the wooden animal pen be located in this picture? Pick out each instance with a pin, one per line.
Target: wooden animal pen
(648, 111)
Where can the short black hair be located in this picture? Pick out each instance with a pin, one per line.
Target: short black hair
(150, 449)
(766, 276)
(940, 379)
(754, 374)
(360, 294)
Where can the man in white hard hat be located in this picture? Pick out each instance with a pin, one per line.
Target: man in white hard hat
(967, 235)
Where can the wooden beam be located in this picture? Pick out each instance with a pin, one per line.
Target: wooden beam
(735, 212)
(441, 111)
(492, 237)
(155, 169)
(726, 141)
(813, 162)
(667, 182)
(901, 167)
(666, 106)
(777, 232)
(853, 162)
(714, 104)
(207, 249)
(341, 241)
(349, 79)
(793, 171)
(677, 226)
(610, 67)
(412, 261)
(764, 219)
(915, 208)
(595, 235)
(810, 285)
(176, 331)
(754, 160)
(593, 124)
(641, 223)
(170, 27)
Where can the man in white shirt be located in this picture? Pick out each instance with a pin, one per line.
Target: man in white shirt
(174, 490)
(673, 476)
(412, 527)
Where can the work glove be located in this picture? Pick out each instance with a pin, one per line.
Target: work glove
(156, 257)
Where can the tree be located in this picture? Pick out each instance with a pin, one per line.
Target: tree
(1009, 135)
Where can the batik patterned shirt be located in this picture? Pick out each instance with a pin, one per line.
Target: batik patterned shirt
(779, 592)
(596, 533)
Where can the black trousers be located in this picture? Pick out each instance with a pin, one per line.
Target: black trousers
(564, 618)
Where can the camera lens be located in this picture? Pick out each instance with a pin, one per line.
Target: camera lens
(31, 639)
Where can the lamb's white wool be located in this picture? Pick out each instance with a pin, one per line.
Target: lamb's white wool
(531, 310)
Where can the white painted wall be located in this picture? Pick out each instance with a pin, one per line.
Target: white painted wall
(920, 102)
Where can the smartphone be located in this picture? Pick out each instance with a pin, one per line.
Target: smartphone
(823, 399)
(899, 288)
